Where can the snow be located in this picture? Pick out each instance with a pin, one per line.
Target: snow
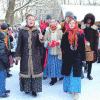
(81, 10)
(90, 88)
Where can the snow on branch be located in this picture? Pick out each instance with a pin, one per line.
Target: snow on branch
(21, 6)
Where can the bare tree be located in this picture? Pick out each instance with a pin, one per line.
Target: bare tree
(9, 18)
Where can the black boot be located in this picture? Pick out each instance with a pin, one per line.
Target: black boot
(4, 95)
(53, 81)
(60, 79)
(8, 75)
(89, 71)
(27, 92)
(44, 78)
(7, 91)
(89, 77)
(34, 94)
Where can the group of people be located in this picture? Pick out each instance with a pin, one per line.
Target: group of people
(55, 50)
(8, 44)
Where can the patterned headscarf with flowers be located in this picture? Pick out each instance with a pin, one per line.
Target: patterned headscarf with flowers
(73, 35)
(53, 26)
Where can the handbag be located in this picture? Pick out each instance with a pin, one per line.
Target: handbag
(89, 53)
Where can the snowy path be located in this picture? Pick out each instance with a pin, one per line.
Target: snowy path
(90, 88)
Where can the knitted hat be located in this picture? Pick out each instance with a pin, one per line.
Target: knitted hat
(48, 17)
(69, 14)
(4, 26)
(58, 20)
(8, 25)
(75, 17)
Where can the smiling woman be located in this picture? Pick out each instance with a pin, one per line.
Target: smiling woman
(28, 51)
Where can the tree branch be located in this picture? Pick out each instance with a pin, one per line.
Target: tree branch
(22, 6)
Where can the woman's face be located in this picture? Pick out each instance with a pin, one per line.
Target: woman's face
(67, 19)
(89, 21)
(53, 22)
(72, 24)
(31, 20)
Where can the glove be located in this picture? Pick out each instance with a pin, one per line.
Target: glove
(53, 44)
(57, 43)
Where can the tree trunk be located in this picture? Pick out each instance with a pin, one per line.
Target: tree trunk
(9, 10)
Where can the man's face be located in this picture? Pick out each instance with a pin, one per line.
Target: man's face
(88, 21)
(67, 19)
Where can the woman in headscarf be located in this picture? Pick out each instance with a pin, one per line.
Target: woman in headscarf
(73, 53)
(28, 51)
(52, 40)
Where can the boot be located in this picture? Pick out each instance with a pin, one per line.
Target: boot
(4, 95)
(44, 78)
(60, 79)
(8, 75)
(27, 92)
(7, 91)
(53, 81)
(34, 94)
(89, 77)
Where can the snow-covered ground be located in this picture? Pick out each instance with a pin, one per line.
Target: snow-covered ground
(90, 88)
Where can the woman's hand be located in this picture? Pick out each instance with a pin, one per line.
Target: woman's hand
(40, 36)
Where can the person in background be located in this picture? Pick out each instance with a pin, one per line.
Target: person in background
(8, 40)
(64, 25)
(28, 52)
(4, 63)
(98, 51)
(91, 41)
(73, 53)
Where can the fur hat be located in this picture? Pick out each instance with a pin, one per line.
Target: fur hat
(89, 16)
(48, 17)
(4, 26)
(69, 14)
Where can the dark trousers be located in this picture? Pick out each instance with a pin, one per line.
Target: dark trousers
(89, 66)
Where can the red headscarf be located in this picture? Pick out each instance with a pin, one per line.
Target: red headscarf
(72, 37)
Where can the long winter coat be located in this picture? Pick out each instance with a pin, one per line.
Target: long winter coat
(91, 35)
(72, 58)
(3, 52)
(28, 51)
